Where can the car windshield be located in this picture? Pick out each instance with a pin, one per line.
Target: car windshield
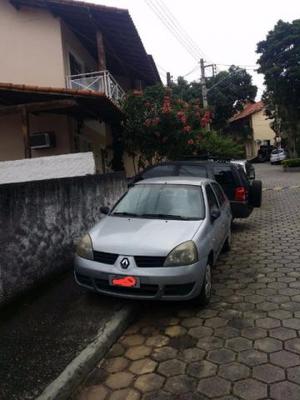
(162, 201)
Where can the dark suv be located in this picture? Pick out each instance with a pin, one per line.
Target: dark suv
(242, 194)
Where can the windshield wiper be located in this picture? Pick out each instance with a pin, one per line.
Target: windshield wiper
(124, 214)
(164, 216)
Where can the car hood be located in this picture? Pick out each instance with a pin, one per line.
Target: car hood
(140, 236)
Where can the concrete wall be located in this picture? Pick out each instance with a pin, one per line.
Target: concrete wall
(42, 220)
(31, 47)
(261, 131)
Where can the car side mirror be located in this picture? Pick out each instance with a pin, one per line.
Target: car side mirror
(215, 214)
(104, 210)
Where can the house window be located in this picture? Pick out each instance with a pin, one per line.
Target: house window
(76, 67)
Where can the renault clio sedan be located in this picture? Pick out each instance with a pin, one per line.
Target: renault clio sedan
(159, 241)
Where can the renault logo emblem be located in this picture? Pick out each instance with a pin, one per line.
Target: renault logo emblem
(125, 263)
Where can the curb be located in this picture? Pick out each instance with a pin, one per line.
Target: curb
(64, 385)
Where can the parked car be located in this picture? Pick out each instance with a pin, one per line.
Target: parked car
(158, 242)
(242, 194)
(247, 167)
(277, 156)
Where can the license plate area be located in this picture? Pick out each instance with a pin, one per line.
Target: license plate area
(126, 281)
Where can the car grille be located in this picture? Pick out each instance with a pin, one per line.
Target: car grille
(144, 290)
(105, 258)
(149, 262)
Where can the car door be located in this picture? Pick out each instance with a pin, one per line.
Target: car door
(216, 224)
(225, 216)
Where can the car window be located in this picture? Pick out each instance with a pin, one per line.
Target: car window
(160, 200)
(219, 193)
(160, 170)
(211, 199)
(193, 170)
(224, 175)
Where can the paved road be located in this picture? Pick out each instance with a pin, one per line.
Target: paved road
(246, 343)
(42, 332)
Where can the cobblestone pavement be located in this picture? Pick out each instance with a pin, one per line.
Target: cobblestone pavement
(245, 344)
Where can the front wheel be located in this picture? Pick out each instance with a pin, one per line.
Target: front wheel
(205, 294)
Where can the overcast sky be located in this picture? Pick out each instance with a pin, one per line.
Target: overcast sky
(226, 31)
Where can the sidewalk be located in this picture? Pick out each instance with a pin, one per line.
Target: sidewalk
(44, 331)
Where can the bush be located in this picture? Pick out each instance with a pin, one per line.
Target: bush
(292, 163)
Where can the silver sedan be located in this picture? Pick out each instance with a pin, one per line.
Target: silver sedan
(158, 242)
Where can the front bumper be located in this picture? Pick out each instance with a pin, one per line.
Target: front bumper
(164, 283)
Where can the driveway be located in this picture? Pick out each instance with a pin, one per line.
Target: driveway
(245, 344)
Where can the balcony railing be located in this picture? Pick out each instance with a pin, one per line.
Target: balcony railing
(100, 81)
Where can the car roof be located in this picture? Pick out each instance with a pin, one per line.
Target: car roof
(176, 180)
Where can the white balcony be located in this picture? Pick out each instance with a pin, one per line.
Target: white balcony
(100, 81)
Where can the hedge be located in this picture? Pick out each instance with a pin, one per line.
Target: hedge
(293, 162)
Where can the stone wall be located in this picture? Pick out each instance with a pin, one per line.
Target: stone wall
(41, 221)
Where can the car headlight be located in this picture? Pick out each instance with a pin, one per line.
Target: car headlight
(85, 248)
(184, 254)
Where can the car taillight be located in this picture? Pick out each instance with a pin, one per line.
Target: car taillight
(240, 194)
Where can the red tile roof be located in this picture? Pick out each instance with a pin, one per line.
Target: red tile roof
(249, 109)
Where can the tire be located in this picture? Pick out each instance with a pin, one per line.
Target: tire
(205, 295)
(227, 244)
(256, 193)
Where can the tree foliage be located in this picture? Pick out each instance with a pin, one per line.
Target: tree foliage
(227, 93)
(159, 124)
(279, 62)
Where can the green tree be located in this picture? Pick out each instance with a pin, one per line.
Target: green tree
(227, 93)
(279, 62)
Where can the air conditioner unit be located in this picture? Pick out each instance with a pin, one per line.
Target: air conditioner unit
(42, 140)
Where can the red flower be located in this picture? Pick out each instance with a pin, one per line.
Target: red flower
(187, 128)
(147, 122)
(190, 141)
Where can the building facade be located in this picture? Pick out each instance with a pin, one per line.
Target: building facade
(65, 68)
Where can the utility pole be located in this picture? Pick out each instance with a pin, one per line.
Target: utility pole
(204, 88)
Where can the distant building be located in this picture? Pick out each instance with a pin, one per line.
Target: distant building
(252, 125)
(65, 67)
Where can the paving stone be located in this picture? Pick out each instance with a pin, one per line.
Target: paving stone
(191, 355)
(200, 331)
(201, 369)
(164, 353)
(250, 389)
(97, 392)
(240, 323)
(227, 332)
(268, 345)
(293, 345)
(115, 364)
(230, 314)
(210, 343)
(268, 373)
(176, 330)
(282, 333)
(238, 344)
(119, 380)
(157, 395)
(157, 341)
(180, 384)
(191, 322)
(234, 371)
(252, 357)
(133, 340)
(183, 342)
(285, 359)
(267, 323)
(267, 306)
(214, 387)
(207, 313)
(285, 390)
(221, 356)
(254, 333)
(137, 352)
(216, 322)
(125, 394)
(293, 374)
(144, 366)
(116, 350)
(293, 323)
(171, 368)
(254, 314)
(149, 382)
